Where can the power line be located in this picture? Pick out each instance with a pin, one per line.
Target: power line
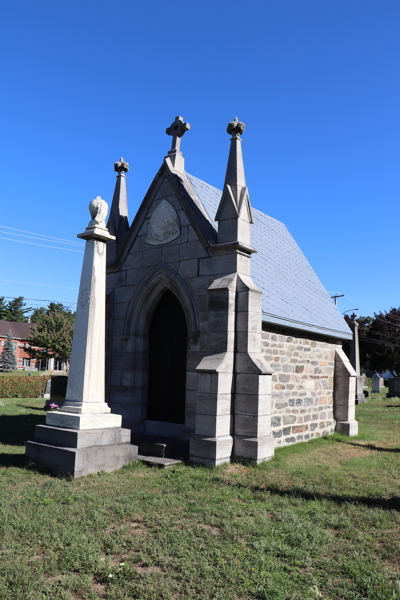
(374, 341)
(38, 238)
(362, 302)
(42, 284)
(39, 299)
(387, 322)
(41, 235)
(370, 306)
(44, 245)
(375, 308)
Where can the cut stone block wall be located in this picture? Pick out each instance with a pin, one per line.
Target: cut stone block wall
(302, 386)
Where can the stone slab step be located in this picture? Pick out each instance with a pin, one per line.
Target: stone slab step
(152, 445)
(158, 461)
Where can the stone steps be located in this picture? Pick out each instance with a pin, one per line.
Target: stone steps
(161, 447)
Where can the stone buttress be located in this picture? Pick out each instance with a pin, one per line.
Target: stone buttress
(233, 403)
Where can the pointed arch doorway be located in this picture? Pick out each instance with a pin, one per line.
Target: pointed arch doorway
(167, 362)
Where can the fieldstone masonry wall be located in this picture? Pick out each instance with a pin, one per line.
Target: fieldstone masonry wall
(302, 386)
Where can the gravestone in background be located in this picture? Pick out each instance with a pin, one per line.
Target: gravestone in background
(55, 390)
(394, 388)
(47, 390)
(376, 384)
(58, 388)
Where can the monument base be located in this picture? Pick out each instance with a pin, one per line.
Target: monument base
(69, 420)
(80, 452)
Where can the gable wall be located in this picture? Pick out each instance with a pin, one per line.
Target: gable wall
(302, 386)
(187, 257)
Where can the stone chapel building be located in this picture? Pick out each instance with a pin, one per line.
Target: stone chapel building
(219, 332)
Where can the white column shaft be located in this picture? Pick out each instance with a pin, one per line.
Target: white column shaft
(86, 379)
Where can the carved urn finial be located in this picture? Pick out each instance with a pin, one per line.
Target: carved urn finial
(236, 128)
(98, 209)
(121, 166)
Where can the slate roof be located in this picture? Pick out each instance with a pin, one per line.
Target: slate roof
(19, 330)
(293, 294)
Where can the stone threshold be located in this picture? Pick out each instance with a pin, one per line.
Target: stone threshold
(157, 446)
(158, 461)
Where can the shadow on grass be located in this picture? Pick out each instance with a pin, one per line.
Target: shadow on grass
(15, 430)
(29, 407)
(369, 446)
(383, 503)
(12, 460)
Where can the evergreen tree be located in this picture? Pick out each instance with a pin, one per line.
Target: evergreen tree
(38, 314)
(379, 339)
(16, 310)
(52, 336)
(8, 359)
(3, 309)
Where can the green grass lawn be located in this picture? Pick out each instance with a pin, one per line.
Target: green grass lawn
(20, 373)
(320, 521)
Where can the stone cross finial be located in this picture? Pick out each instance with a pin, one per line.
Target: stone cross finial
(177, 130)
(121, 166)
(236, 128)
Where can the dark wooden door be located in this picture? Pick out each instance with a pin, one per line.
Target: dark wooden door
(167, 361)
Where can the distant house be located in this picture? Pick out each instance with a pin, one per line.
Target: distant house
(20, 333)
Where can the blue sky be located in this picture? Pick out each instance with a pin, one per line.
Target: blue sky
(316, 82)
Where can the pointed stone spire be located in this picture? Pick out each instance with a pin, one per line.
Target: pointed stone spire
(177, 129)
(118, 223)
(234, 211)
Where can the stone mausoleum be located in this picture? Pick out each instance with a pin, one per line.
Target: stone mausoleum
(218, 331)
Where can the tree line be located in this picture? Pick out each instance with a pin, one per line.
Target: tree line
(379, 336)
(51, 337)
(379, 341)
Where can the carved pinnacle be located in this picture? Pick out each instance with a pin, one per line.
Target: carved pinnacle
(236, 128)
(121, 166)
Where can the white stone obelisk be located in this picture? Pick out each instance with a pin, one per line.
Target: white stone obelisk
(85, 407)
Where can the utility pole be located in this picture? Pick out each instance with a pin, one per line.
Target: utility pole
(337, 296)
